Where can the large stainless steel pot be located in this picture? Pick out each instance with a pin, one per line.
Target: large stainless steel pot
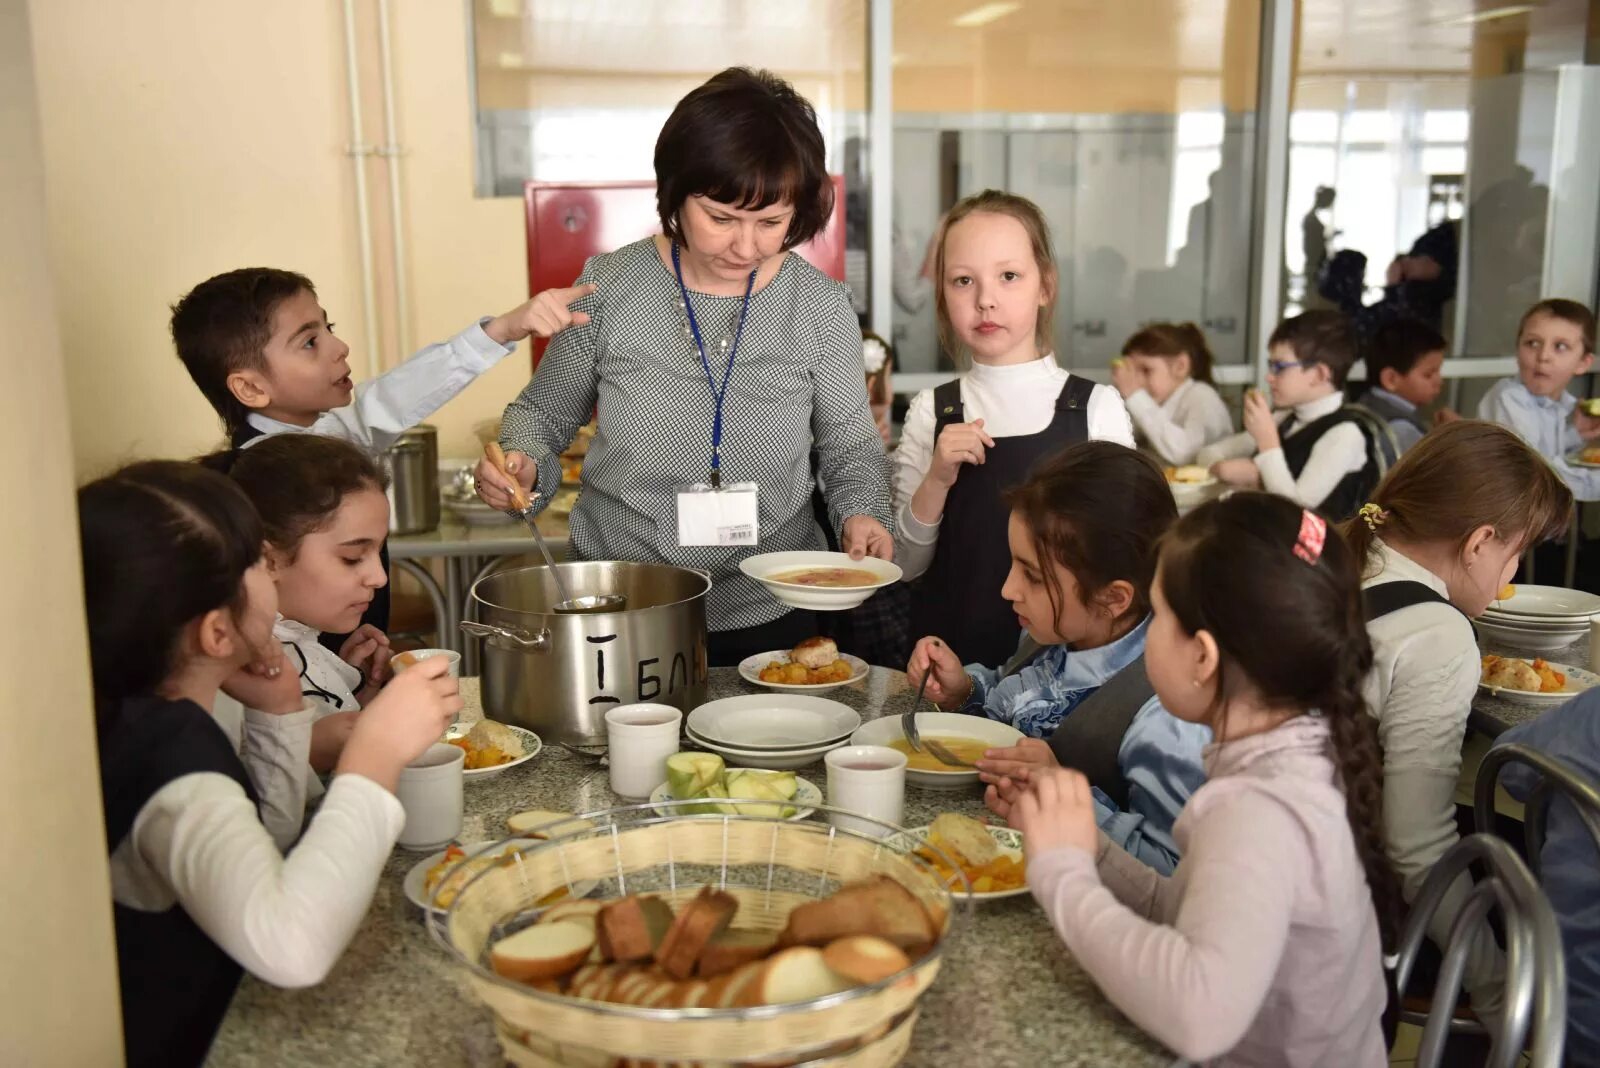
(557, 673)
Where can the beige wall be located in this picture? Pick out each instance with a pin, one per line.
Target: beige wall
(58, 987)
(185, 139)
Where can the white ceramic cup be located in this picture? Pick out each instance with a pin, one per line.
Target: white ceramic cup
(869, 779)
(400, 661)
(639, 738)
(430, 791)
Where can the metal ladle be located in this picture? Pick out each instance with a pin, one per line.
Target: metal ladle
(522, 504)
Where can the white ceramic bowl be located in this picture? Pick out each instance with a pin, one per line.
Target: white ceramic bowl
(751, 666)
(767, 759)
(1498, 636)
(778, 722)
(1189, 494)
(993, 734)
(820, 598)
(1549, 603)
(1578, 680)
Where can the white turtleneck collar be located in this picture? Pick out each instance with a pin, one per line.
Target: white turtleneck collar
(1313, 410)
(1010, 374)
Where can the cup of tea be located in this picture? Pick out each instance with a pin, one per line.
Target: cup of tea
(639, 739)
(430, 790)
(869, 779)
(412, 657)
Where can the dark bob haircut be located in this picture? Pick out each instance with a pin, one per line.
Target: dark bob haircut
(745, 138)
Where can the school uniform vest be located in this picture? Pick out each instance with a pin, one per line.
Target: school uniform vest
(1351, 491)
(176, 982)
(377, 612)
(958, 598)
(1390, 412)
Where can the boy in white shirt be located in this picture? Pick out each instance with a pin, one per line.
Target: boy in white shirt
(1316, 453)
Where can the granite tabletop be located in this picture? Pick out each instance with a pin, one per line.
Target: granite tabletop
(1008, 992)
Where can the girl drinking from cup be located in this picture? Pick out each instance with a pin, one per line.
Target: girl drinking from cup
(967, 442)
(180, 606)
(322, 504)
(1082, 534)
(1164, 376)
(1265, 945)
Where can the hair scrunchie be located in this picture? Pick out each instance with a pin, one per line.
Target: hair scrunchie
(1373, 516)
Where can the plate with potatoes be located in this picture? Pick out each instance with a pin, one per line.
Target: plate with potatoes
(988, 855)
(813, 666)
(1533, 681)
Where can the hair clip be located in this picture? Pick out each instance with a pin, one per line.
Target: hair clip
(1373, 516)
(1313, 535)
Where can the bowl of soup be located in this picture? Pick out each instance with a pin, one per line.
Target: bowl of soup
(827, 582)
(966, 736)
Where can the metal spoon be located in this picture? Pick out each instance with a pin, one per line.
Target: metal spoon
(908, 718)
(938, 749)
(591, 758)
(522, 504)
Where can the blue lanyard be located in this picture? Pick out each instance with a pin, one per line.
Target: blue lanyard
(705, 362)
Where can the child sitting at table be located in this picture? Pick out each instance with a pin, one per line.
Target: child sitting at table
(1405, 364)
(322, 504)
(180, 606)
(1264, 945)
(1164, 376)
(1082, 534)
(1437, 542)
(1315, 452)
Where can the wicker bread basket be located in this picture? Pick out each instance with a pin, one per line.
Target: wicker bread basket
(769, 865)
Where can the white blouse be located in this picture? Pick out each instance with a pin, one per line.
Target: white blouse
(1014, 400)
(1175, 430)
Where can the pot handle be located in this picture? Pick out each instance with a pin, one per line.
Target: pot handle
(513, 638)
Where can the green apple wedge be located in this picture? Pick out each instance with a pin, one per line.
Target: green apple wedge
(694, 775)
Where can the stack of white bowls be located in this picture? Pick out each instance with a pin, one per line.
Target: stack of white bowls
(777, 731)
(1538, 619)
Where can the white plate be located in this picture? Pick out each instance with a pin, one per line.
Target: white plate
(531, 745)
(992, 733)
(750, 670)
(1533, 641)
(1010, 844)
(806, 795)
(1578, 680)
(819, 598)
(769, 761)
(417, 876)
(1550, 603)
(777, 722)
(1572, 458)
(1515, 622)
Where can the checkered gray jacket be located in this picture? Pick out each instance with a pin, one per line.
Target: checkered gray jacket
(797, 383)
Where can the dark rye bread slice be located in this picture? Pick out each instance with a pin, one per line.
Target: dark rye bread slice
(877, 906)
(697, 924)
(632, 928)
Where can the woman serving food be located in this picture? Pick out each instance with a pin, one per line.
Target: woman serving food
(716, 361)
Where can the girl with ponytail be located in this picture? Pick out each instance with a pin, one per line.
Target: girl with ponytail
(1164, 376)
(1265, 945)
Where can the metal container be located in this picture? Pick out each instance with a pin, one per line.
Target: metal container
(414, 481)
(558, 673)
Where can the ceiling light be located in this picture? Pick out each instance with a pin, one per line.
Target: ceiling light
(984, 14)
(1490, 15)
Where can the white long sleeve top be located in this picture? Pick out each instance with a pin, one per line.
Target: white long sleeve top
(198, 842)
(386, 406)
(1342, 450)
(1013, 401)
(1194, 416)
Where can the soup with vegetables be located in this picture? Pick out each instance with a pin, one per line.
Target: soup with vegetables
(832, 577)
(970, 749)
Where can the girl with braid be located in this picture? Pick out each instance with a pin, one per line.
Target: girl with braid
(1265, 945)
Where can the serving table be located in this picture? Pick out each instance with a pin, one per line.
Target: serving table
(1008, 993)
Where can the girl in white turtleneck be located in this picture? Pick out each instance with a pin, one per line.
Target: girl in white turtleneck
(968, 442)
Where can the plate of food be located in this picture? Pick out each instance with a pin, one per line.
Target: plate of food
(813, 666)
(989, 856)
(827, 582)
(703, 777)
(493, 747)
(1535, 682)
(1588, 456)
(440, 876)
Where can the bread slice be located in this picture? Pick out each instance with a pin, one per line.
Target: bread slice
(865, 958)
(735, 986)
(970, 839)
(877, 906)
(582, 910)
(796, 974)
(696, 925)
(542, 824)
(631, 928)
(543, 951)
(732, 948)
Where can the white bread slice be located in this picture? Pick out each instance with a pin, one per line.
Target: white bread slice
(864, 958)
(582, 910)
(543, 951)
(542, 824)
(796, 974)
(971, 841)
(734, 992)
